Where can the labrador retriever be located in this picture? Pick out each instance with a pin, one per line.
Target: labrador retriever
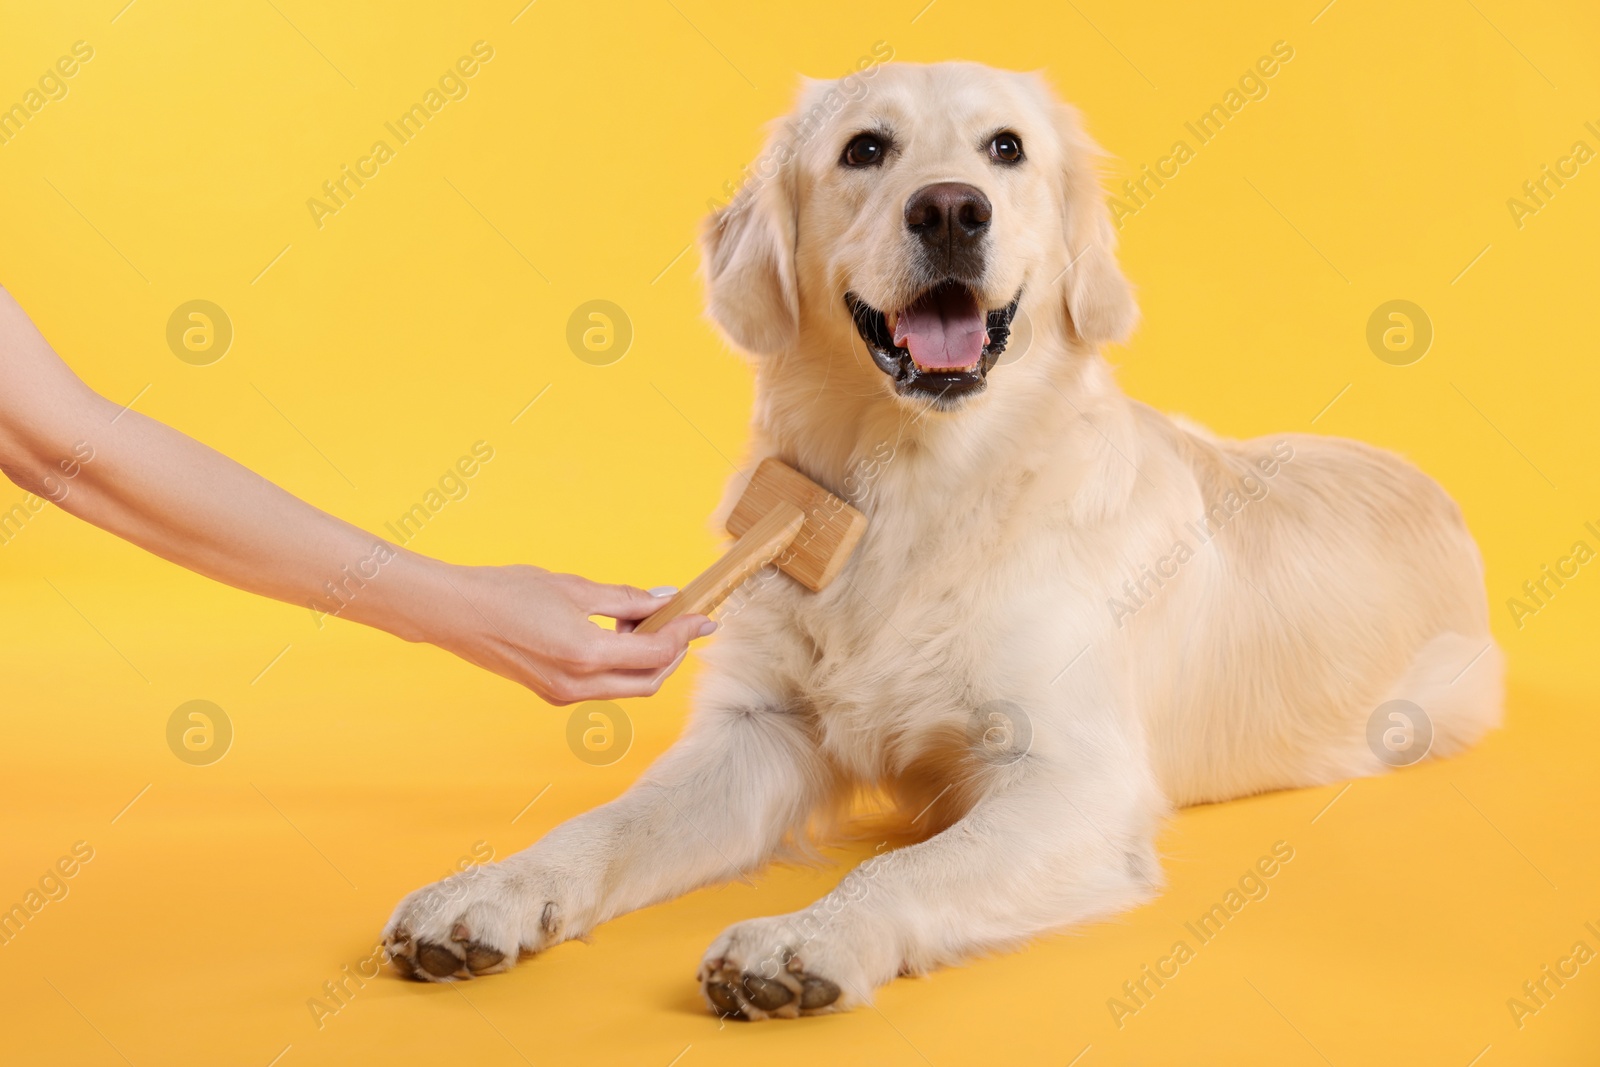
(1069, 613)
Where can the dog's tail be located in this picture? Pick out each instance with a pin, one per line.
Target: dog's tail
(1460, 682)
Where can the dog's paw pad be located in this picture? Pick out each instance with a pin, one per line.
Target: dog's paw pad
(768, 994)
(438, 960)
(403, 965)
(471, 924)
(723, 1001)
(485, 959)
(817, 993)
(735, 993)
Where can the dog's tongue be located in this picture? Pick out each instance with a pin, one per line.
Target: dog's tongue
(944, 329)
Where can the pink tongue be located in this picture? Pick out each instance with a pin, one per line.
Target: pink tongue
(944, 330)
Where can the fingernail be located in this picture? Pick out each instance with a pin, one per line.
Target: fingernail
(708, 628)
(664, 590)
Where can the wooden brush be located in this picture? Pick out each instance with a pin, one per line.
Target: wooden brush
(783, 518)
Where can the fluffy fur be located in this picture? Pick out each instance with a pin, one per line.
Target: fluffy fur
(1016, 653)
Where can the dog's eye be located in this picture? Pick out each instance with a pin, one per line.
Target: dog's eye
(865, 150)
(1006, 148)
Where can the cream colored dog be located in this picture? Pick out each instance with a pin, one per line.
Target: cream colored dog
(1068, 615)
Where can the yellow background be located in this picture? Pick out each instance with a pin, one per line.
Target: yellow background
(433, 308)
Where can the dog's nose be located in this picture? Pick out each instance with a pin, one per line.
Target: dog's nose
(949, 217)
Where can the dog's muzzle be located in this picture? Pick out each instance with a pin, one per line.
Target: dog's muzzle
(941, 346)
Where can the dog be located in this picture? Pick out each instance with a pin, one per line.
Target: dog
(1069, 615)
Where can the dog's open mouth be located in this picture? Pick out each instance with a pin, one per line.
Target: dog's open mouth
(940, 346)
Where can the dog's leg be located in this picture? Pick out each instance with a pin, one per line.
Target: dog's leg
(1045, 847)
(715, 805)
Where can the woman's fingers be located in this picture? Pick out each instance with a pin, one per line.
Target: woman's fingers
(546, 637)
(621, 684)
(636, 651)
(623, 602)
(663, 593)
(608, 685)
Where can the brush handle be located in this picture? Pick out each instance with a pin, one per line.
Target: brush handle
(770, 535)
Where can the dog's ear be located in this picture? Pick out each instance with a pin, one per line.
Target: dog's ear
(1099, 299)
(747, 248)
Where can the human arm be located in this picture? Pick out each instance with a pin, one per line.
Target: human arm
(172, 495)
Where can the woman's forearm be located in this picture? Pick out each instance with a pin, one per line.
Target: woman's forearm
(187, 503)
(166, 492)
(174, 496)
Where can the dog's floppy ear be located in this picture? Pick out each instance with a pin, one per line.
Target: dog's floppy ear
(1099, 299)
(748, 252)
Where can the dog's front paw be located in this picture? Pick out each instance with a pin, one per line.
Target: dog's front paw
(475, 923)
(765, 969)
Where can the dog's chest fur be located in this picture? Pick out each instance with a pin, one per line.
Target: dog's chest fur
(925, 625)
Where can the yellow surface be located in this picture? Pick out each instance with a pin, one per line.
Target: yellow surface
(370, 353)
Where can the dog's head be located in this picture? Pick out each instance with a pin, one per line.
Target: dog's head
(919, 207)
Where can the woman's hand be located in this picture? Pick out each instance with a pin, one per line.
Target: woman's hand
(534, 627)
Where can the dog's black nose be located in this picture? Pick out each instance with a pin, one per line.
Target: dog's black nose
(950, 218)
